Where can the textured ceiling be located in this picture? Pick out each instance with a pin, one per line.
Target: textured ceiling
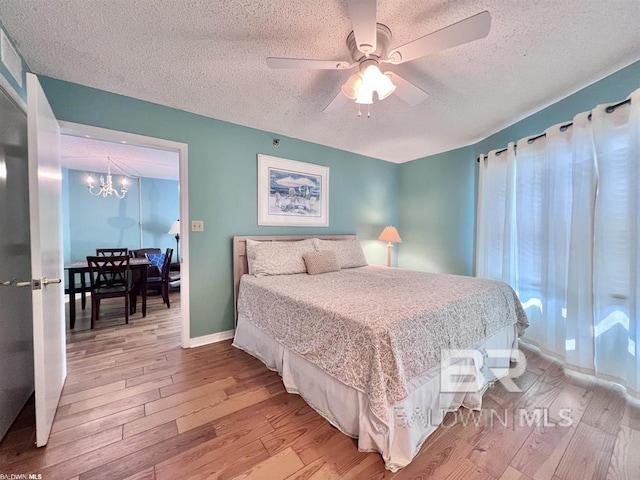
(208, 57)
(91, 155)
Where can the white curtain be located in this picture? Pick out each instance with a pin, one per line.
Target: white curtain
(579, 322)
(558, 220)
(543, 210)
(616, 242)
(495, 207)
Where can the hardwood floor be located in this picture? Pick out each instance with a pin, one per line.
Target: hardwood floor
(137, 406)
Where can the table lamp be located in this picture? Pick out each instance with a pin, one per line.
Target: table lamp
(175, 230)
(391, 236)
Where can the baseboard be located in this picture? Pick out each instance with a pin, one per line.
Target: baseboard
(213, 338)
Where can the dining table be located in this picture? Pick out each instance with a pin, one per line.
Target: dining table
(82, 269)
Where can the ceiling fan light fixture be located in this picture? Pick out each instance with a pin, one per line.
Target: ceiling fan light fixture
(353, 85)
(365, 96)
(370, 72)
(376, 81)
(384, 86)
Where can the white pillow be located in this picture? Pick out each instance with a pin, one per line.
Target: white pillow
(251, 244)
(277, 258)
(349, 252)
(321, 262)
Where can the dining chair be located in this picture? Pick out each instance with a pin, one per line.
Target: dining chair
(154, 271)
(163, 282)
(109, 252)
(110, 278)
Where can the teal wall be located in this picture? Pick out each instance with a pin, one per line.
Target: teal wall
(432, 200)
(223, 183)
(436, 222)
(66, 232)
(20, 90)
(91, 222)
(437, 203)
(160, 208)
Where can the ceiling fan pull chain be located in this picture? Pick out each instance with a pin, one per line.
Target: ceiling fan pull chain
(368, 112)
(359, 112)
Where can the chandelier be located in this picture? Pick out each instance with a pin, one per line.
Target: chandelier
(106, 186)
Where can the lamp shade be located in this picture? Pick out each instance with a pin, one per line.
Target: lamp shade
(352, 86)
(390, 234)
(365, 96)
(175, 228)
(385, 87)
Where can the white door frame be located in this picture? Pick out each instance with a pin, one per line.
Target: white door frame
(99, 133)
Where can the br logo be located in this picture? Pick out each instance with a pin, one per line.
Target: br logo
(468, 370)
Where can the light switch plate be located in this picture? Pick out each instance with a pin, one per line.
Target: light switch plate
(197, 225)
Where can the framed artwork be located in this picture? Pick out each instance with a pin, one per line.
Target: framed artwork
(292, 193)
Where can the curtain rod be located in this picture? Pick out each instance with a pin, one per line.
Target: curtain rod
(609, 109)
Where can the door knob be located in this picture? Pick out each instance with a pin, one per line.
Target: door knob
(37, 284)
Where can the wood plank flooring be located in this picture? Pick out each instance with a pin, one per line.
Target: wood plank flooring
(137, 406)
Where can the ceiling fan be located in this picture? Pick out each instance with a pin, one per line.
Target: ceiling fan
(368, 43)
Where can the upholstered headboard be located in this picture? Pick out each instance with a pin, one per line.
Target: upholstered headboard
(240, 266)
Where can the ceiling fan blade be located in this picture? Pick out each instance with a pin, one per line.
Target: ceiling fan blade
(363, 19)
(407, 91)
(304, 64)
(467, 30)
(336, 104)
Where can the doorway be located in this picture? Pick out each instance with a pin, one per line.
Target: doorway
(180, 149)
(33, 194)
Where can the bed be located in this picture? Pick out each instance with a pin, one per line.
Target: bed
(363, 345)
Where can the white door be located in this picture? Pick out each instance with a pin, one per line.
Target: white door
(45, 210)
(16, 332)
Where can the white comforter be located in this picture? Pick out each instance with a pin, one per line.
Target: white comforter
(374, 328)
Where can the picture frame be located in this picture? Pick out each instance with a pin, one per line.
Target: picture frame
(292, 193)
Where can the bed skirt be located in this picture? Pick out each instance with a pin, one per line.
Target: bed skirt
(398, 437)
